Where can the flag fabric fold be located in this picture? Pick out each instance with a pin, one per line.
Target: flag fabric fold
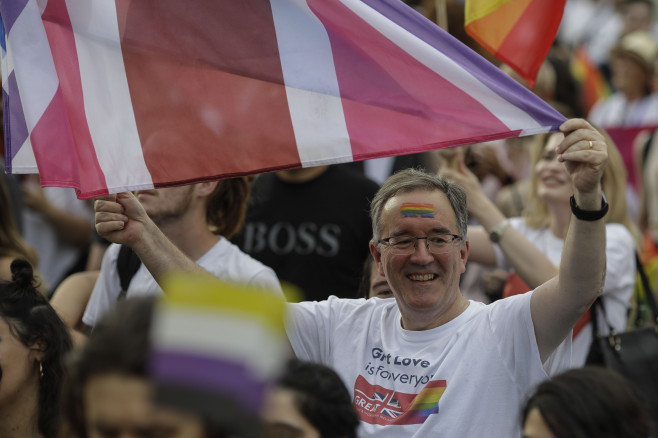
(518, 32)
(116, 95)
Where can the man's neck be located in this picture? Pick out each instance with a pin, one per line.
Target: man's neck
(419, 321)
(191, 235)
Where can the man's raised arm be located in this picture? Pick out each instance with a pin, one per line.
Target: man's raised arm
(121, 219)
(557, 305)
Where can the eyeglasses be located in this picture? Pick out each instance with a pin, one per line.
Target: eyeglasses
(435, 243)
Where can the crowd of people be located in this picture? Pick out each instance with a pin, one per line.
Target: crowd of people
(449, 293)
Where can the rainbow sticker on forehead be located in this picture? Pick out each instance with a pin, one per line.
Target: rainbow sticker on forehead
(410, 209)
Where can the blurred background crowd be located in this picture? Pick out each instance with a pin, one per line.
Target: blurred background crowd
(603, 67)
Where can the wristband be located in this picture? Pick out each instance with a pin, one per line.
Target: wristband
(497, 231)
(589, 215)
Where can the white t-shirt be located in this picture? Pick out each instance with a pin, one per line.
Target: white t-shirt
(224, 260)
(619, 278)
(466, 378)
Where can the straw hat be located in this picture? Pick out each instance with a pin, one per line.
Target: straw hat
(639, 46)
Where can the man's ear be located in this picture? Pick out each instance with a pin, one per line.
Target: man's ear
(205, 188)
(377, 255)
(463, 253)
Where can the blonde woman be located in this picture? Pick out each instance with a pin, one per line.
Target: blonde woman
(531, 246)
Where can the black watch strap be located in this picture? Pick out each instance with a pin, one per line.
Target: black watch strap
(590, 215)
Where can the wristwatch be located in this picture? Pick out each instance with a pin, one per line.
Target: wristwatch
(497, 231)
(589, 215)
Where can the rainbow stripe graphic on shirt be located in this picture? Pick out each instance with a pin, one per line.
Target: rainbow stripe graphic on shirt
(410, 209)
(426, 402)
(376, 404)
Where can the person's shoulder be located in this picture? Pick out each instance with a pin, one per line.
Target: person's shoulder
(227, 259)
(5, 270)
(512, 302)
(348, 308)
(617, 230)
(109, 266)
(521, 225)
(604, 104)
(651, 99)
(112, 253)
(618, 234)
(517, 222)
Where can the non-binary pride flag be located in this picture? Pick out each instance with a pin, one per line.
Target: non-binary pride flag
(518, 32)
(215, 349)
(114, 95)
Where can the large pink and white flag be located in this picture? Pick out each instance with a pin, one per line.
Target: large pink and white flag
(113, 95)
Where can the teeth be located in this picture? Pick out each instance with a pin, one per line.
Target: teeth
(423, 277)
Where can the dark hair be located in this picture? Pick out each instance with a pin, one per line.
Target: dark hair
(35, 323)
(118, 344)
(11, 243)
(409, 180)
(227, 206)
(590, 402)
(322, 398)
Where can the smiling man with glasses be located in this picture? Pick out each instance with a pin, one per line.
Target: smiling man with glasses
(432, 363)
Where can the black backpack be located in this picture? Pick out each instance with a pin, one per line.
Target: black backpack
(127, 265)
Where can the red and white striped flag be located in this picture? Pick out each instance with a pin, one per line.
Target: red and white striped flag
(113, 95)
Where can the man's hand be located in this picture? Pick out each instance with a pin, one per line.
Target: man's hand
(557, 305)
(584, 153)
(121, 218)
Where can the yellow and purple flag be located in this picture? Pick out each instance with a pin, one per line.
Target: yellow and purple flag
(113, 95)
(518, 32)
(215, 349)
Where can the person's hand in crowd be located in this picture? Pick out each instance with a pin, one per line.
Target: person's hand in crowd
(493, 283)
(463, 176)
(584, 153)
(482, 160)
(447, 158)
(120, 218)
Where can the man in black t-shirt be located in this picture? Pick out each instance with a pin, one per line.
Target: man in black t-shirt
(312, 227)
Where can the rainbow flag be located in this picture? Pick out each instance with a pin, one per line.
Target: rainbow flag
(426, 402)
(216, 348)
(593, 85)
(518, 32)
(114, 95)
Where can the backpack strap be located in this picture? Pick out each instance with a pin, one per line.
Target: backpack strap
(648, 293)
(127, 265)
